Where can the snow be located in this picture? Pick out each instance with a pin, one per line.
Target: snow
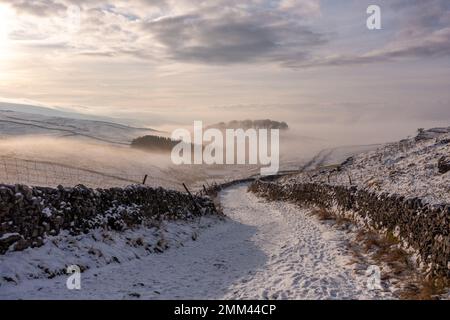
(16, 123)
(408, 168)
(48, 211)
(94, 250)
(46, 151)
(8, 235)
(336, 155)
(262, 251)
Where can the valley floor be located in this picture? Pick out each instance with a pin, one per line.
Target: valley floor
(262, 251)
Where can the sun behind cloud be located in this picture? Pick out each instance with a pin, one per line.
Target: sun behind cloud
(5, 23)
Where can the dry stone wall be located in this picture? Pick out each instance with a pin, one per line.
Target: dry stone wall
(28, 214)
(424, 227)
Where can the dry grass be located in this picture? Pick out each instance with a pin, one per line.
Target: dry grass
(218, 205)
(369, 247)
(425, 288)
(216, 201)
(323, 214)
(398, 268)
(385, 249)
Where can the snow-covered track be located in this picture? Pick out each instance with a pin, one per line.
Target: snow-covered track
(262, 251)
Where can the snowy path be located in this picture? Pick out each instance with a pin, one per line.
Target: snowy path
(265, 250)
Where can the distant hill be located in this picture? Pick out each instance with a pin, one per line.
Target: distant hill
(50, 111)
(251, 124)
(36, 122)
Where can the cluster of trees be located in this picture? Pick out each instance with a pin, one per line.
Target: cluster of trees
(163, 144)
(154, 143)
(251, 124)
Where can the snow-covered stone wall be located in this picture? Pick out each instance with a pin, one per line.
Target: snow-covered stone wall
(422, 226)
(28, 214)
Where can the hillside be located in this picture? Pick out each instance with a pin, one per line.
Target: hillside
(409, 167)
(268, 249)
(15, 123)
(42, 146)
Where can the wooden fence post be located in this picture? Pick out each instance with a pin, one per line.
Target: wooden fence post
(349, 179)
(192, 198)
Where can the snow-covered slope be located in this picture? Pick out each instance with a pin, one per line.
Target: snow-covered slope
(336, 155)
(47, 147)
(408, 167)
(15, 123)
(94, 250)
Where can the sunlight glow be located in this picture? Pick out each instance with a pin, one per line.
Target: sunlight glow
(5, 24)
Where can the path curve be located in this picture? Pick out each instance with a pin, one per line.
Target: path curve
(263, 251)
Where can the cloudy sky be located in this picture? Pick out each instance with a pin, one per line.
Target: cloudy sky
(312, 63)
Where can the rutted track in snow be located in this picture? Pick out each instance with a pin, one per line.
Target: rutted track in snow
(264, 251)
(304, 258)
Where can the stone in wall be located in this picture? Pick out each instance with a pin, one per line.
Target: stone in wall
(29, 214)
(444, 164)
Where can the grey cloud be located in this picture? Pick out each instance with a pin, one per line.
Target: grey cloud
(37, 7)
(234, 38)
(209, 32)
(436, 45)
(429, 14)
(230, 32)
(424, 32)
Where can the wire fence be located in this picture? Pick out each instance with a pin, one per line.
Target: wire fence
(15, 170)
(50, 174)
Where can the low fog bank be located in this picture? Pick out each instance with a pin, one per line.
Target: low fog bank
(51, 161)
(81, 153)
(298, 145)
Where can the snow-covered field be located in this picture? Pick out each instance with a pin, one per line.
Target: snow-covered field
(47, 147)
(15, 123)
(408, 167)
(262, 251)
